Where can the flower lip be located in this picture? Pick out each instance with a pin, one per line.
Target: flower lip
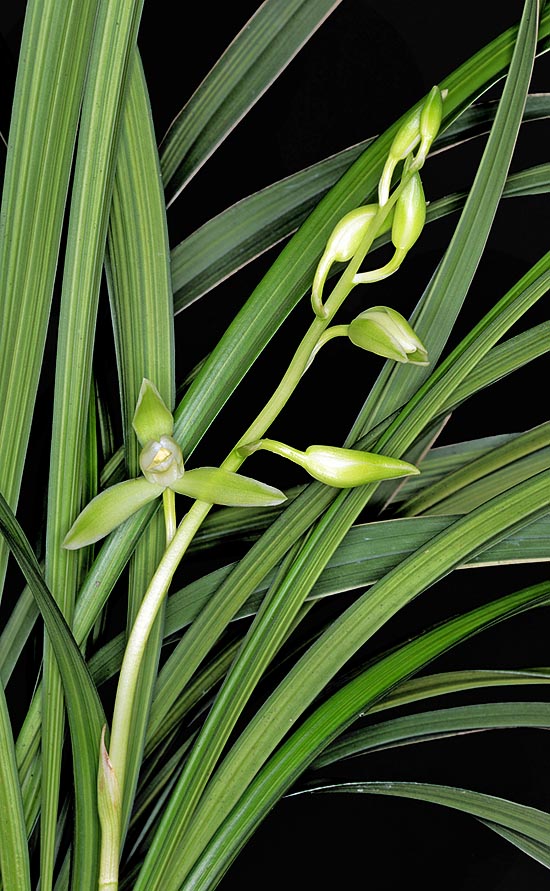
(161, 461)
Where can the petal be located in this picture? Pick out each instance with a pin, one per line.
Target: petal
(217, 486)
(108, 509)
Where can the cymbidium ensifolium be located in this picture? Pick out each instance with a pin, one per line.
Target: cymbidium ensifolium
(162, 465)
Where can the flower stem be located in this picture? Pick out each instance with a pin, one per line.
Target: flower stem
(169, 505)
(178, 540)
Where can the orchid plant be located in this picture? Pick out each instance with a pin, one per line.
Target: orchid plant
(204, 657)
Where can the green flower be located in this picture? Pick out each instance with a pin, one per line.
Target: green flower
(341, 468)
(161, 462)
(344, 241)
(385, 332)
(419, 129)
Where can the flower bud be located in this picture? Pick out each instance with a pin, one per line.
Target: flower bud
(421, 126)
(387, 333)
(341, 246)
(430, 122)
(345, 468)
(341, 468)
(161, 461)
(410, 215)
(405, 140)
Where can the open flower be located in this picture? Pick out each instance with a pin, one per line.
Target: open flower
(161, 462)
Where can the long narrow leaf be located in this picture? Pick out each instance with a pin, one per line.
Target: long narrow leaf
(114, 38)
(86, 717)
(44, 121)
(531, 823)
(14, 851)
(501, 457)
(331, 717)
(428, 726)
(254, 59)
(138, 275)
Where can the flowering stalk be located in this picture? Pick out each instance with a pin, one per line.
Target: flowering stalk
(164, 473)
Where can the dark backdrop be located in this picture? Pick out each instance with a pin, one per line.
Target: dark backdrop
(367, 64)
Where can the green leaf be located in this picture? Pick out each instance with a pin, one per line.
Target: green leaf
(44, 122)
(322, 726)
(140, 294)
(538, 850)
(14, 851)
(108, 510)
(429, 726)
(16, 632)
(217, 486)
(447, 682)
(115, 32)
(255, 58)
(86, 717)
(532, 823)
(501, 360)
(499, 468)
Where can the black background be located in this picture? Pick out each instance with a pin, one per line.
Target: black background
(366, 65)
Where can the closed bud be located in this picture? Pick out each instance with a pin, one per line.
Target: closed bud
(407, 137)
(161, 461)
(405, 141)
(420, 127)
(430, 122)
(344, 240)
(410, 215)
(341, 468)
(387, 333)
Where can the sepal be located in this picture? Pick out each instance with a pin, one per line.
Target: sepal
(108, 510)
(217, 486)
(152, 418)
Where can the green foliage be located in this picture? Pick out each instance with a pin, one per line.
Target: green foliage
(198, 658)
